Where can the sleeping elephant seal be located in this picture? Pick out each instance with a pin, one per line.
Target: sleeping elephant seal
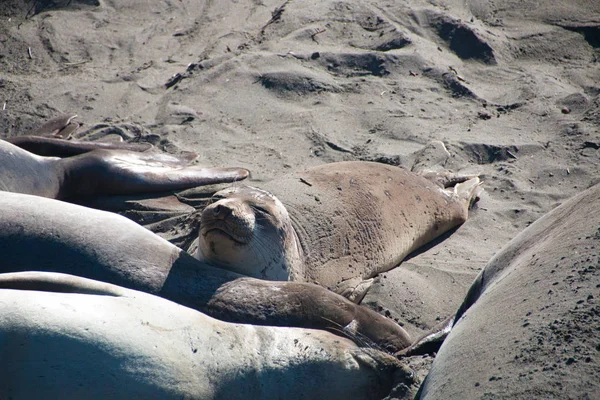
(337, 225)
(75, 338)
(102, 171)
(49, 235)
(528, 327)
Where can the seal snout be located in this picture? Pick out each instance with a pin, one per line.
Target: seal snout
(228, 216)
(221, 212)
(227, 209)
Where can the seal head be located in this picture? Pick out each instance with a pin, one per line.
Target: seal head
(249, 231)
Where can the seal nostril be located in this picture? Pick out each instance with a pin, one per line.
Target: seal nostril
(217, 210)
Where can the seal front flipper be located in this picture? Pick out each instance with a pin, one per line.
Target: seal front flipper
(255, 301)
(58, 283)
(122, 172)
(56, 147)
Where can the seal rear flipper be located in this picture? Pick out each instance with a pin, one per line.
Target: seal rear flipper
(58, 283)
(431, 341)
(56, 147)
(354, 289)
(61, 127)
(121, 172)
(469, 191)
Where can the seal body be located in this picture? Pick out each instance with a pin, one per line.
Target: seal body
(105, 341)
(530, 318)
(336, 224)
(40, 234)
(25, 172)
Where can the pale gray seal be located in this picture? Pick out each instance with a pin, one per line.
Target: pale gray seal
(528, 327)
(338, 225)
(75, 338)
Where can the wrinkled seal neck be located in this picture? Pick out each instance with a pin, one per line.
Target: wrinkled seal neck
(294, 256)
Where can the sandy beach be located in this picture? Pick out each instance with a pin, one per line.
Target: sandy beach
(511, 88)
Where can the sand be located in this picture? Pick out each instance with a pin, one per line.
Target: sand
(511, 87)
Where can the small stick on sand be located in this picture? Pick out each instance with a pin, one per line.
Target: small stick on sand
(275, 15)
(337, 147)
(290, 53)
(317, 32)
(29, 53)
(305, 182)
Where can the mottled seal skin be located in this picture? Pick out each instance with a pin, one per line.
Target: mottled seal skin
(102, 172)
(528, 327)
(48, 235)
(337, 225)
(71, 338)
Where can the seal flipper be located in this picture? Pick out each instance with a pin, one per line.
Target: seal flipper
(469, 191)
(431, 341)
(354, 289)
(254, 301)
(56, 147)
(58, 283)
(122, 172)
(61, 127)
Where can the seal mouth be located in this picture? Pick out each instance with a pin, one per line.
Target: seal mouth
(220, 231)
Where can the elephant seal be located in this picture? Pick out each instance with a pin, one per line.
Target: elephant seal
(77, 338)
(337, 225)
(49, 235)
(528, 327)
(102, 171)
(57, 147)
